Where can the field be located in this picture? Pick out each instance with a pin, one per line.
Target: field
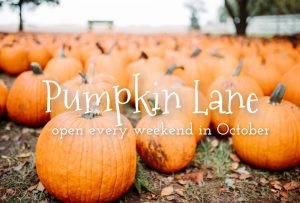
(216, 173)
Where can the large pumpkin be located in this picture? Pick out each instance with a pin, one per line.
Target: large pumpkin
(14, 59)
(165, 152)
(237, 84)
(280, 148)
(27, 99)
(3, 97)
(86, 167)
(63, 68)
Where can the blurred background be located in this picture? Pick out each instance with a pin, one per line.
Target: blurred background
(254, 17)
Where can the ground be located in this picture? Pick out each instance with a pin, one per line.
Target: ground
(215, 175)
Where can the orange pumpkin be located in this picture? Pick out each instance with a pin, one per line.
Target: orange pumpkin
(277, 148)
(26, 102)
(236, 83)
(165, 153)
(3, 97)
(86, 167)
(63, 68)
(292, 83)
(94, 84)
(14, 59)
(38, 53)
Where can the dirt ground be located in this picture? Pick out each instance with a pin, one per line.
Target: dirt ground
(215, 175)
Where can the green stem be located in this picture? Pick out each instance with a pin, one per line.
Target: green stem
(172, 68)
(62, 53)
(238, 69)
(277, 94)
(196, 52)
(36, 68)
(158, 110)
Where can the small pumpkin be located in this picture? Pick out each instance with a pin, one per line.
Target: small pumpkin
(165, 153)
(92, 83)
(14, 59)
(3, 98)
(38, 53)
(86, 167)
(279, 149)
(26, 102)
(63, 68)
(292, 83)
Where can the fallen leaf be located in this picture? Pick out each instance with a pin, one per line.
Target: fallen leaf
(284, 194)
(179, 192)
(5, 137)
(234, 175)
(170, 198)
(242, 170)
(263, 181)
(215, 143)
(209, 176)
(234, 166)
(167, 191)
(9, 191)
(194, 177)
(31, 188)
(182, 182)
(291, 185)
(5, 157)
(276, 184)
(244, 176)
(234, 157)
(19, 167)
(229, 182)
(24, 155)
(40, 187)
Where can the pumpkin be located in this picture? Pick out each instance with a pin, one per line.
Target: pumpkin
(86, 167)
(63, 68)
(14, 59)
(165, 152)
(3, 98)
(292, 83)
(92, 83)
(26, 102)
(38, 53)
(147, 68)
(279, 149)
(266, 77)
(236, 83)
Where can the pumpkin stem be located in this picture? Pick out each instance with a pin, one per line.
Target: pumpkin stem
(111, 48)
(158, 110)
(217, 55)
(91, 69)
(143, 55)
(93, 113)
(172, 68)
(85, 78)
(277, 94)
(196, 52)
(238, 69)
(62, 53)
(100, 47)
(36, 68)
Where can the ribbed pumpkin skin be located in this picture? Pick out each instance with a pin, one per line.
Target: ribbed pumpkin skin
(242, 84)
(278, 150)
(27, 100)
(63, 69)
(166, 153)
(292, 82)
(3, 97)
(86, 168)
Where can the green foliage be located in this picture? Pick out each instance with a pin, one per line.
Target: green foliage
(195, 7)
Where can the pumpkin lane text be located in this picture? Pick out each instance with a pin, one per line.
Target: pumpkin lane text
(84, 101)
